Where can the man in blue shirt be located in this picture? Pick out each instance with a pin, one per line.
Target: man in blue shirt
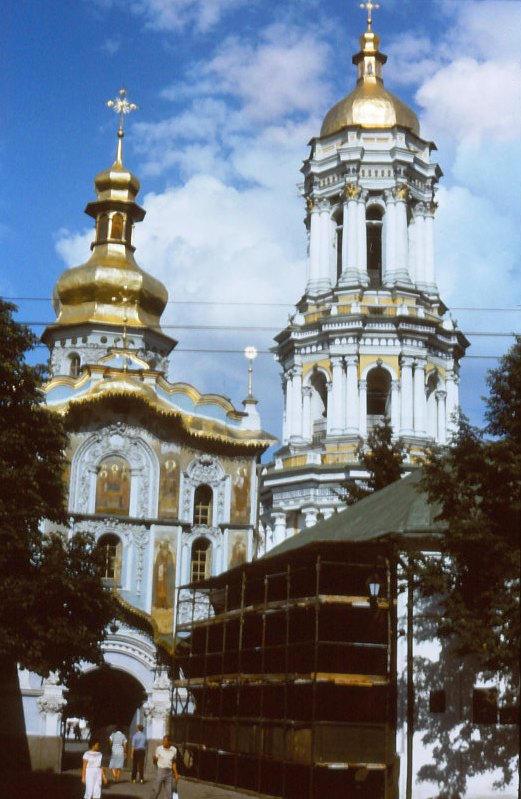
(139, 745)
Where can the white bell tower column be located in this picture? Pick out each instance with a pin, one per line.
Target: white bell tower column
(350, 273)
(407, 397)
(430, 276)
(420, 399)
(362, 239)
(352, 400)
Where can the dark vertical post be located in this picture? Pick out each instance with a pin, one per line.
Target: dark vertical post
(239, 678)
(392, 694)
(314, 683)
(262, 720)
(286, 677)
(410, 678)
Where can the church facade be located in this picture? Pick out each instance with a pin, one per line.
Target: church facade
(370, 337)
(163, 477)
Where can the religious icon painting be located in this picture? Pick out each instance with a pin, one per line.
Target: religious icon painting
(169, 486)
(237, 548)
(240, 511)
(113, 486)
(163, 585)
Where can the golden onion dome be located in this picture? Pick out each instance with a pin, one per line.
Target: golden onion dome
(110, 288)
(370, 105)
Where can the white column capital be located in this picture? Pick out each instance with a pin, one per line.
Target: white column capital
(406, 361)
(310, 516)
(351, 360)
(306, 391)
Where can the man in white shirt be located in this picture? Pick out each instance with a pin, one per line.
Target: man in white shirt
(164, 759)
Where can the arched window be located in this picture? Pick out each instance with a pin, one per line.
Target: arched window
(432, 410)
(318, 385)
(116, 230)
(103, 227)
(378, 396)
(203, 505)
(374, 219)
(110, 547)
(74, 364)
(201, 561)
(113, 486)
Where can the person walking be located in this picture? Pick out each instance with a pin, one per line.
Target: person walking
(139, 745)
(91, 773)
(164, 759)
(118, 743)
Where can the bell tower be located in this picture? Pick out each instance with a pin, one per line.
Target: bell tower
(370, 338)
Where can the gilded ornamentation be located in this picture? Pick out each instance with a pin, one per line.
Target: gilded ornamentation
(310, 204)
(352, 191)
(401, 192)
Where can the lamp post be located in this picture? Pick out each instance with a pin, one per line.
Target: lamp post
(251, 354)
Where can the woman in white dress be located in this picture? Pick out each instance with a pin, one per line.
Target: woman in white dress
(91, 774)
(117, 758)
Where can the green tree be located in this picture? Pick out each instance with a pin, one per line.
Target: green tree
(53, 607)
(474, 586)
(382, 456)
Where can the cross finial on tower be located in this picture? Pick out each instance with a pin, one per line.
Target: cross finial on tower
(122, 107)
(370, 7)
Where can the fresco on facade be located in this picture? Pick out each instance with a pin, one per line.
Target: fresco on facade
(237, 548)
(163, 585)
(169, 485)
(240, 510)
(113, 486)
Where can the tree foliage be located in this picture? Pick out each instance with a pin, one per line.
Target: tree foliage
(382, 456)
(53, 607)
(477, 482)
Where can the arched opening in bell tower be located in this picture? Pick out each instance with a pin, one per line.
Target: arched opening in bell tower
(378, 396)
(318, 385)
(374, 225)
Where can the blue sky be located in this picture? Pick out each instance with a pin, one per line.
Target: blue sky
(230, 91)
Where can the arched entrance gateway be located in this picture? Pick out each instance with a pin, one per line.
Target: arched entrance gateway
(105, 697)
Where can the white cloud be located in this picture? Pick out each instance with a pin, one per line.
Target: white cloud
(470, 101)
(172, 15)
(111, 45)
(282, 73)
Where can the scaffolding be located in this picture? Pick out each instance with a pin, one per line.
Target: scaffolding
(285, 676)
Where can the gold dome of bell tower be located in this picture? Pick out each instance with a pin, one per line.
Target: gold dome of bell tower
(110, 289)
(370, 105)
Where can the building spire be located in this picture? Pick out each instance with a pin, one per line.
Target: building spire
(122, 107)
(370, 7)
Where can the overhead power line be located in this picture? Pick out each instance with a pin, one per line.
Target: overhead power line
(247, 303)
(222, 351)
(264, 329)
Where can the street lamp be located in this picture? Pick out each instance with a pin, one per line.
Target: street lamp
(251, 354)
(374, 587)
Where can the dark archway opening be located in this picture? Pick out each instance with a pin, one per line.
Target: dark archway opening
(106, 698)
(374, 223)
(378, 396)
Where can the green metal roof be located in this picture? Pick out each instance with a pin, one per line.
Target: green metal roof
(400, 510)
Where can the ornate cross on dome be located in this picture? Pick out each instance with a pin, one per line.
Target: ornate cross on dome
(122, 107)
(370, 7)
